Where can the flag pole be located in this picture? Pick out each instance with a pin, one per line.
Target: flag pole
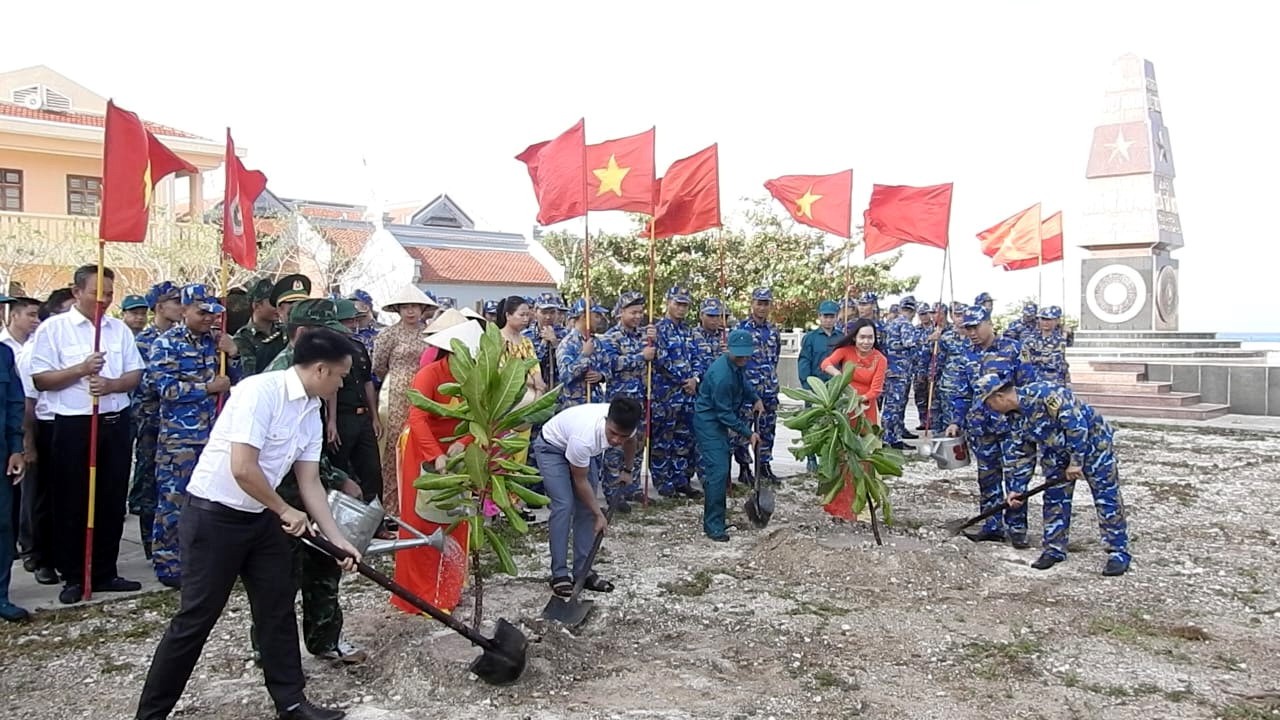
(222, 290)
(586, 283)
(648, 378)
(98, 312)
(1040, 273)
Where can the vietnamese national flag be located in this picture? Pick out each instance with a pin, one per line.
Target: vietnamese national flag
(821, 201)
(1050, 245)
(557, 169)
(1015, 238)
(900, 214)
(687, 198)
(242, 189)
(133, 162)
(620, 174)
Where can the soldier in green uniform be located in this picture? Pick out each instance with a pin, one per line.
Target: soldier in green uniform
(315, 573)
(262, 336)
(358, 427)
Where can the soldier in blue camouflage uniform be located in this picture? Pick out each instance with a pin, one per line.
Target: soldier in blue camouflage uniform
(162, 298)
(1075, 442)
(183, 367)
(902, 345)
(709, 335)
(762, 374)
(545, 334)
(675, 387)
(815, 346)
(1004, 453)
(927, 370)
(986, 302)
(956, 352)
(579, 360)
(1046, 348)
(490, 311)
(368, 327)
(1024, 327)
(628, 349)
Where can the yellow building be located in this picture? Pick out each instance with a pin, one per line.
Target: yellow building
(51, 134)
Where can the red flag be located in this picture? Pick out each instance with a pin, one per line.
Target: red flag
(1015, 238)
(900, 214)
(557, 169)
(687, 199)
(133, 162)
(1050, 245)
(242, 188)
(620, 174)
(821, 201)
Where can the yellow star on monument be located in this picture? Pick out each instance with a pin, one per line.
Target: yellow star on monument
(610, 177)
(146, 187)
(804, 205)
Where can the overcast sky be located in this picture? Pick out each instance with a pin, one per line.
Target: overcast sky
(998, 97)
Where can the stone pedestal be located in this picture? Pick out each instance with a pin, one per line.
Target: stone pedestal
(1130, 225)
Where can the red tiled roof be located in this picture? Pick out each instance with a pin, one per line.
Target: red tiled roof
(348, 240)
(479, 267)
(331, 213)
(75, 118)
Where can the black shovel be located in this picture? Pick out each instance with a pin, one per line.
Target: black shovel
(760, 505)
(956, 526)
(502, 659)
(573, 611)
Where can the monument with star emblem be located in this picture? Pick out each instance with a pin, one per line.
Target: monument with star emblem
(1130, 224)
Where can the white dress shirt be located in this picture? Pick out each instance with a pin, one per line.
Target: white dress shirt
(7, 338)
(579, 431)
(271, 412)
(23, 363)
(67, 339)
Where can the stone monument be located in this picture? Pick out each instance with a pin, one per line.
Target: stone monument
(1130, 226)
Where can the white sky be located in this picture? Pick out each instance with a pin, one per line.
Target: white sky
(998, 97)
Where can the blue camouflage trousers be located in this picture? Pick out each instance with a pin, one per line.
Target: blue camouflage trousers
(768, 428)
(1102, 472)
(1005, 465)
(175, 460)
(895, 407)
(613, 467)
(671, 448)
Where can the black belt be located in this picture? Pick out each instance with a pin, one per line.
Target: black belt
(222, 510)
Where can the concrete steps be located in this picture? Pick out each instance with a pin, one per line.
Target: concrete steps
(1200, 411)
(1137, 388)
(1139, 399)
(1121, 389)
(1149, 346)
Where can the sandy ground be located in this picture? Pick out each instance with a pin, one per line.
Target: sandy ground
(805, 619)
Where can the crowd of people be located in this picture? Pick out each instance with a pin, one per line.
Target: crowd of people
(178, 400)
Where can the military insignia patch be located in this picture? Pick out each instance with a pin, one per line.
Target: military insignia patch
(1053, 404)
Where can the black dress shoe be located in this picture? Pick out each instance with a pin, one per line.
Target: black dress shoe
(307, 711)
(71, 594)
(766, 472)
(908, 435)
(170, 582)
(117, 584)
(900, 446)
(689, 492)
(1115, 567)
(47, 576)
(986, 536)
(29, 563)
(1046, 561)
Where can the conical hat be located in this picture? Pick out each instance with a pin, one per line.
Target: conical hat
(468, 332)
(471, 314)
(408, 295)
(446, 320)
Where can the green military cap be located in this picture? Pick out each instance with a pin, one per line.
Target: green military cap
(346, 309)
(261, 289)
(291, 288)
(316, 312)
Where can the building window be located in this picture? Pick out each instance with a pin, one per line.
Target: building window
(10, 190)
(84, 194)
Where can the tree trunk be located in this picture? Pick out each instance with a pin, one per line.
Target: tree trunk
(875, 524)
(477, 617)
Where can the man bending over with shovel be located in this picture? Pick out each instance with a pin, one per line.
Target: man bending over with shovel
(569, 453)
(722, 391)
(1075, 442)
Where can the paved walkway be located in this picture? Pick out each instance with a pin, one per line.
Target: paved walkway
(25, 592)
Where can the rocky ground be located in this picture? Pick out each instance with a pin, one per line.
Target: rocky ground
(805, 619)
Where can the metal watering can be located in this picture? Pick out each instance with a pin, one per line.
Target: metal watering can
(360, 522)
(950, 453)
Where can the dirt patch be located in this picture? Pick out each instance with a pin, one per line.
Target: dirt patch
(805, 619)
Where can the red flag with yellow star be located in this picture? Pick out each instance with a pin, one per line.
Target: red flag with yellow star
(1014, 238)
(687, 199)
(821, 201)
(557, 169)
(620, 174)
(133, 162)
(239, 240)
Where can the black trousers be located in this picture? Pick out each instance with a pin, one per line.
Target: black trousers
(357, 454)
(35, 533)
(219, 545)
(68, 468)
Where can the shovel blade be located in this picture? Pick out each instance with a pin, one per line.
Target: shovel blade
(568, 612)
(757, 512)
(503, 664)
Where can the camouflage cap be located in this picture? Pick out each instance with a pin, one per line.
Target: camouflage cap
(361, 296)
(1030, 309)
(202, 297)
(908, 302)
(868, 298)
(629, 299)
(762, 293)
(260, 290)
(316, 312)
(162, 291)
(1050, 312)
(679, 294)
(345, 309)
(490, 307)
(987, 385)
(982, 298)
(974, 316)
(712, 307)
